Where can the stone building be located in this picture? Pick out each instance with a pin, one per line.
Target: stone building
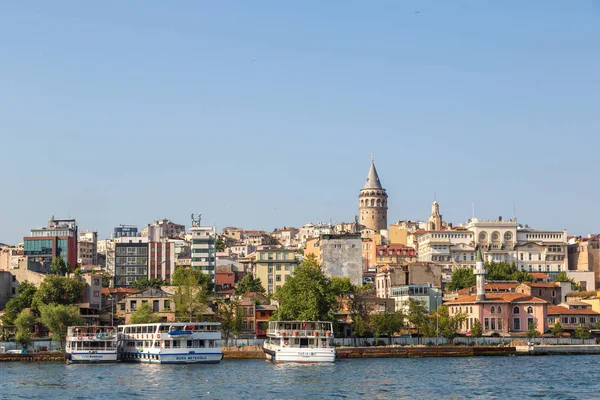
(372, 202)
(341, 256)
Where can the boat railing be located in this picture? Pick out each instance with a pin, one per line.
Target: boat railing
(300, 332)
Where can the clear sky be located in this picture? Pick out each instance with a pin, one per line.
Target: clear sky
(262, 114)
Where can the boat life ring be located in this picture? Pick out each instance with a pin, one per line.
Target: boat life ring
(79, 337)
(285, 343)
(90, 337)
(192, 327)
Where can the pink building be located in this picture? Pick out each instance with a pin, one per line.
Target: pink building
(501, 314)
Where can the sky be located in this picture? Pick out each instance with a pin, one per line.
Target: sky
(265, 114)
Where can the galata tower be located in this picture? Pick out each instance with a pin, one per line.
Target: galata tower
(372, 202)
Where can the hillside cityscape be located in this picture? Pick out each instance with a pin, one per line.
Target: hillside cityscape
(430, 277)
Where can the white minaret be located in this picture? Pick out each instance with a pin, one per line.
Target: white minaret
(480, 274)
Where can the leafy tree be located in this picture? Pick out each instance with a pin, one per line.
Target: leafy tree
(144, 315)
(191, 295)
(522, 276)
(504, 271)
(185, 275)
(532, 332)
(355, 298)
(249, 284)
(307, 295)
(448, 325)
(582, 332)
(220, 245)
(58, 317)
(58, 290)
(59, 266)
(476, 329)
(563, 277)
(25, 324)
(106, 281)
(145, 283)
(231, 317)
(557, 330)
(419, 317)
(25, 293)
(462, 278)
(387, 323)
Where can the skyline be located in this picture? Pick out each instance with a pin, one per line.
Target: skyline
(114, 113)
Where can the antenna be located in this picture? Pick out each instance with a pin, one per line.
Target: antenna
(473, 211)
(372, 157)
(514, 211)
(434, 196)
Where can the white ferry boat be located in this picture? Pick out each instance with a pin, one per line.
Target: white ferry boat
(299, 341)
(171, 343)
(91, 344)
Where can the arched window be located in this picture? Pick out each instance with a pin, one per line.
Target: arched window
(516, 310)
(372, 202)
(471, 310)
(529, 310)
(499, 309)
(493, 310)
(378, 202)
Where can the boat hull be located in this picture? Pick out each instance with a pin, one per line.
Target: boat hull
(91, 358)
(295, 355)
(176, 358)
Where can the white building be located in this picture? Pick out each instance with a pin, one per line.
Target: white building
(204, 239)
(87, 248)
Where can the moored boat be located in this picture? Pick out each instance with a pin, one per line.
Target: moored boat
(299, 341)
(171, 343)
(91, 344)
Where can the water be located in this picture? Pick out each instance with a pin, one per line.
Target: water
(544, 377)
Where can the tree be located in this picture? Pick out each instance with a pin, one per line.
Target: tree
(557, 330)
(355, 300)
(220, 245)
(59, 266)
(419, 317)
(449, 325)
(185, 275)
(532, 332)
(504, 271)
(191, 295)
(231, 317)
(249, 284)
(58, 290)
(387, 323)
(25, 292)
(144, 315)
(307, 295)
(476, 329)
(582, 332)
(25, 324)
(58, 317)
(563, 277)
(145, 283)
(462, 278)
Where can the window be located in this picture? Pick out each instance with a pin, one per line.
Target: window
(551, 320)
(592, 320)
(515, 310)
(499, 310)
(529, 310)
(565, 320)
(167, 304)
(277, 278)
(493, 310)
(499, 324)
(486, 324)
(133, 305)
(516, 324)
(493, 321)
(530, 323)
(582, 320)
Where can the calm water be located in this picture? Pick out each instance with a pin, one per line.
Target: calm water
(547, 377)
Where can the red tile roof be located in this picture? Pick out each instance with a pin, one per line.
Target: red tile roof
(119, 290)
(539, 275)
(560, 310)
(500, 298)
(541, 285)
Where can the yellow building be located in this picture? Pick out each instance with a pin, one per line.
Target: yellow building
(397, 234)
(313, 246)
(370, 241)
(274, 267)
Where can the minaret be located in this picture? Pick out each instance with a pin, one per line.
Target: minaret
(372, 202)
(480, 274)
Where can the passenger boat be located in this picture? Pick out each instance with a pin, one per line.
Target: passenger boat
(91, 344)
(171, 343)
(299, 341)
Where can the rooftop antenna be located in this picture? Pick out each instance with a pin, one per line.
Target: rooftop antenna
(473, 211)
(372, 157)
(514, 211)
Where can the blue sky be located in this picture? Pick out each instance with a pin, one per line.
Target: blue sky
(265, 114)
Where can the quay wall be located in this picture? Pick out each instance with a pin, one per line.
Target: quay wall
(41, 356)
(417, 352)
(560, 349)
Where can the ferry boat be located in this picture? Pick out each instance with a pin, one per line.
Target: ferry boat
(171, 343)
(299, 341)
(91, 344)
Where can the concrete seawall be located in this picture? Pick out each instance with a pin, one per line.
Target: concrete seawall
(41, 356)
(417, 352)
(558, 349)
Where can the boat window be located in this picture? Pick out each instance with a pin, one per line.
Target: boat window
(296, 341)
(201, 343)
(167, 344)
(189, 343)
(175, 344)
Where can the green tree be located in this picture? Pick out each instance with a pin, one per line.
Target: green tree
(191, 296)
(59, 266)
(58, 317)
(58, 290)
(557, 330)
(476, 329)
(504, 271)
(249, 284)
(25, 324)
(462, 278)
(355, 299)
(419, 317)
(24, 295)
(387, 323)
(230, 314)
(144, 315)
(582, 332)
(563, 277)
(307, 295)
(220, 245)
(449, 325)
(145, 283)
(185, 275)
(532, 332)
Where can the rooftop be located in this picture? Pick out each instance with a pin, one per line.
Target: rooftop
(500, 298)
(560, 310)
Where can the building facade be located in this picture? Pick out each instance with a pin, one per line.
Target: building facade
(274, 267)
(57, 239)
(204, 239)
(341, 256)
(87, 248)
(130, 260)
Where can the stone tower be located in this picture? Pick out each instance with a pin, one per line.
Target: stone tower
(372, 202)
(435, 219)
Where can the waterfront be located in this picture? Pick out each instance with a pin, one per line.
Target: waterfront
(427, 378)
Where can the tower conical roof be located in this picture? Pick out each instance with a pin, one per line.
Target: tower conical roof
(373, 179)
